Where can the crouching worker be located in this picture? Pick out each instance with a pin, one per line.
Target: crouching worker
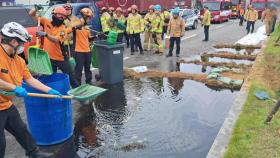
(13, 72)
(54, 35)
(82, 38)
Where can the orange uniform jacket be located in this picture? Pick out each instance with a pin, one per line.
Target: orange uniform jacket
(54, 49)
(12, 70)
(81, 40)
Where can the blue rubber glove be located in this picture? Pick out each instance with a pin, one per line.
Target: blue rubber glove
(55, 92)
(20, 92)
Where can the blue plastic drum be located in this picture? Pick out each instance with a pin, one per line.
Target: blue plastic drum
(50, 120)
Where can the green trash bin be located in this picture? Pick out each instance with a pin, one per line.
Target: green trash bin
(110, 61)
(93, 56)
(112, 38)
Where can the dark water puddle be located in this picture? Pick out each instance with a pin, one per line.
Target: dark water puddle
(160, 117)
(193, 68)
(240, 51)
(217, 59)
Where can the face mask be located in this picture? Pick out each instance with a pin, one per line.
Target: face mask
(56, 21)
(20, 49)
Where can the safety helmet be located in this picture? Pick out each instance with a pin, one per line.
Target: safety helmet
(67, 6)
(151, 7)
(175, 11)
(112, 9)
(134, 7)
(15, 30)
(157, 7)
(60, 10)
(104, 9)
(87, 12)
(119, 9)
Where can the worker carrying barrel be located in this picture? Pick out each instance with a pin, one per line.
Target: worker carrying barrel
(175, 30)
(54, 35)
(157, 28)
(148, 28)
(13, 72)
(135, 26)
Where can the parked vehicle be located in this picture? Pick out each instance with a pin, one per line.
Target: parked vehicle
(21, 16)
(220, 10)
(190, 17)
(259, 5)
(234, 12)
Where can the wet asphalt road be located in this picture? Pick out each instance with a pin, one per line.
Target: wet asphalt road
(191, 45)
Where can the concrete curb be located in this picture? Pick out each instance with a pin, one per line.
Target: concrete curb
(222, 140)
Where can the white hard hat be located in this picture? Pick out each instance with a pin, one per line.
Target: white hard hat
(15, 30)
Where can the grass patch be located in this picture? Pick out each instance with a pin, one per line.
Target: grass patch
(252, 138)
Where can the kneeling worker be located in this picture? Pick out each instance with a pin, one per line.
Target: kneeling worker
(13, 72)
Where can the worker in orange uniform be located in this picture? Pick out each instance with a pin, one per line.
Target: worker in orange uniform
(175, 30)
(268, 18)
(82, 38)
(241, 13)
(148, 28)
(119, 17)
(54, 36)
(251, 16)
(69, 22)
(135, 26)
(13, 72)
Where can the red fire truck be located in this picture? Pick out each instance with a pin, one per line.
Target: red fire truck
(220, 10)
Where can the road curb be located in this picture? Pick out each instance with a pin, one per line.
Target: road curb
(222, 140)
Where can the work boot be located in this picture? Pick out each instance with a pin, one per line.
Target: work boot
(40, 154)
(169, 55)
(132, 53)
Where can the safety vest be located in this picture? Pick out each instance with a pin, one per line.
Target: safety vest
(207, 18)
(157, 23)
(135, 24)
(105, 17)
(148, 17)
(251, 15)
(120, 19)
(166, 14)
(69, 23)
